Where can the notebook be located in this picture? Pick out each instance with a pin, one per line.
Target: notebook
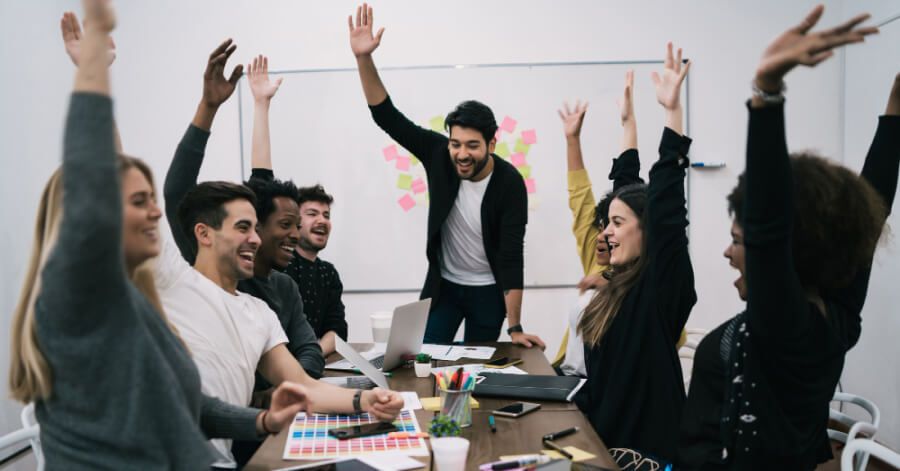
(533, 387)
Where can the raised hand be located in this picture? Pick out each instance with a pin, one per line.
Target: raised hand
(287, 400)
(626, 103)
(668, 86)
(798, 46)
(573, 118)
(71, 34)
(216, 88)
(362, 41)
(258, 73)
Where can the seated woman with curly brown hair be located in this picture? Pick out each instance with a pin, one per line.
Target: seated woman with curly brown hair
(804, 235)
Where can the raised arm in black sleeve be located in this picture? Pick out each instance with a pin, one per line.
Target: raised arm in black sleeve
(180, 178)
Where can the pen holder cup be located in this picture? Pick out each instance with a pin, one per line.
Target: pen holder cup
(457, 405)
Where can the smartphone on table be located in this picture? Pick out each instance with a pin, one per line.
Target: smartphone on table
(356, 431)
(516, 409)
(503, 362)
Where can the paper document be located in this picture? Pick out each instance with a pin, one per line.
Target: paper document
(478, 368)
(411, 400)
(455, 352)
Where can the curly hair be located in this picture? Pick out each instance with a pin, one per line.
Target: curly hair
(266, 191)
(836, 212)
(314, 193)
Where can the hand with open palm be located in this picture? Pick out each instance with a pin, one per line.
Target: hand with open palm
(262, 88)
(799, 46)
(362, 41)
(72, 36)
(668, 85)
(572, 118)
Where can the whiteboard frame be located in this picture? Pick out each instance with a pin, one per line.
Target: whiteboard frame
(687, 124)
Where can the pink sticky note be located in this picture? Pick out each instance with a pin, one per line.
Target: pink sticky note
(390, 153)
(508, 124)
(497, 134)
(418, 186)
(407, 202)
(529, 185)
(402, 163)
(529, 137)
(517, 159)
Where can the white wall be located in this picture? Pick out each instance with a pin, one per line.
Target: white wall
(163, 46)
(871, 368)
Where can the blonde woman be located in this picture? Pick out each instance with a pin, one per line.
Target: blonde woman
(114, 388)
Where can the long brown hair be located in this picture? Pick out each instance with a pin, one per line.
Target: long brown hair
(30, 375)
(603, 307)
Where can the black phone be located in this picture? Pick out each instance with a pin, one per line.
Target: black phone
(517, 409)
(356, 431)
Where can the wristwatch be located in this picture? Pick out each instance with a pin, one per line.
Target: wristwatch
(357, 398)
(514, 328)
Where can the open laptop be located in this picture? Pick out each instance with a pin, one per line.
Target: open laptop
(407, 332)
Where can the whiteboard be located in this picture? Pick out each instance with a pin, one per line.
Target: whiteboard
(322, 132)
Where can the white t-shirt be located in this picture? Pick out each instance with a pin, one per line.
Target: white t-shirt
(573, 365)
(463, 259)
(226, 333)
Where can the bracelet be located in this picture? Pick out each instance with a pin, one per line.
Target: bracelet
(514, 328)
(767, 97)
(266, 429)
(357, 399)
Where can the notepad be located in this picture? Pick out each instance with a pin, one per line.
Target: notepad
(433, 404)
(577, 454)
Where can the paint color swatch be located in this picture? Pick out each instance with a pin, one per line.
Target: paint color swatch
(308, 437)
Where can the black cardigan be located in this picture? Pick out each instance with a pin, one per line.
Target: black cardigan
(635, 388)
(504, 209)
(763, 381)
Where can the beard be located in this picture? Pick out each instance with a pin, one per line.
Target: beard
(476, 168)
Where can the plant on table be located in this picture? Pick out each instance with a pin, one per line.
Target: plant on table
(444, 426)
(423, 358)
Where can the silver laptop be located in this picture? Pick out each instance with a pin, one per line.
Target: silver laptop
(407, 332)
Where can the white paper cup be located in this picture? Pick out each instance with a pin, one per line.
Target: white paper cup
(381, 326)
(450, 453)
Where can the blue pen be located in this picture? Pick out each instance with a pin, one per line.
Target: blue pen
(707, 164)
(493, 425)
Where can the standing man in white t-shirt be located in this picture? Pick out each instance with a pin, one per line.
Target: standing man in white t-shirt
(477, 214)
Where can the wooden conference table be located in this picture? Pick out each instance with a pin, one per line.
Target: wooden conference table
(513, 437)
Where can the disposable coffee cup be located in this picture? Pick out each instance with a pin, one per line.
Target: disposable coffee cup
(450, 453)
(381, 326)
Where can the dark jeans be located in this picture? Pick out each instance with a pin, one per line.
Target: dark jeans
(482, 307)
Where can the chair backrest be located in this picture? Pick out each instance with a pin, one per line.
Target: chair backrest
(22, 436)
(687, 351)
(29, 420)
(857, 427)
(867, 446)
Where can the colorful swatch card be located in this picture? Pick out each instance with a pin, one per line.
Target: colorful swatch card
(308, 437)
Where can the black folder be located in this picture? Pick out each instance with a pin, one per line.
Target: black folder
(531, 387)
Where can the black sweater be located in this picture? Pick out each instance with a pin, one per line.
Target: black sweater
(762, 382)
(635, 388)
(504, 209)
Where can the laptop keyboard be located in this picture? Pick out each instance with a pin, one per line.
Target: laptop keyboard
(377, 362)
(360, 382)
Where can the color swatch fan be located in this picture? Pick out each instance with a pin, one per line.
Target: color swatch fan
(308, 437)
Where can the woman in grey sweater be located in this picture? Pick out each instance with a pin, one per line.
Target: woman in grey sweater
(114, 387)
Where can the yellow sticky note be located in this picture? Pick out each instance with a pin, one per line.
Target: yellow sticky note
(521, 146)
(517, 457)
(404, 181)
(433, 404)
(502, 150)
(525, 170)
(413, 160)
(577, 454)
(437, 124)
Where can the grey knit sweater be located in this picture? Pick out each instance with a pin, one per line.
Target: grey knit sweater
(126, 394)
